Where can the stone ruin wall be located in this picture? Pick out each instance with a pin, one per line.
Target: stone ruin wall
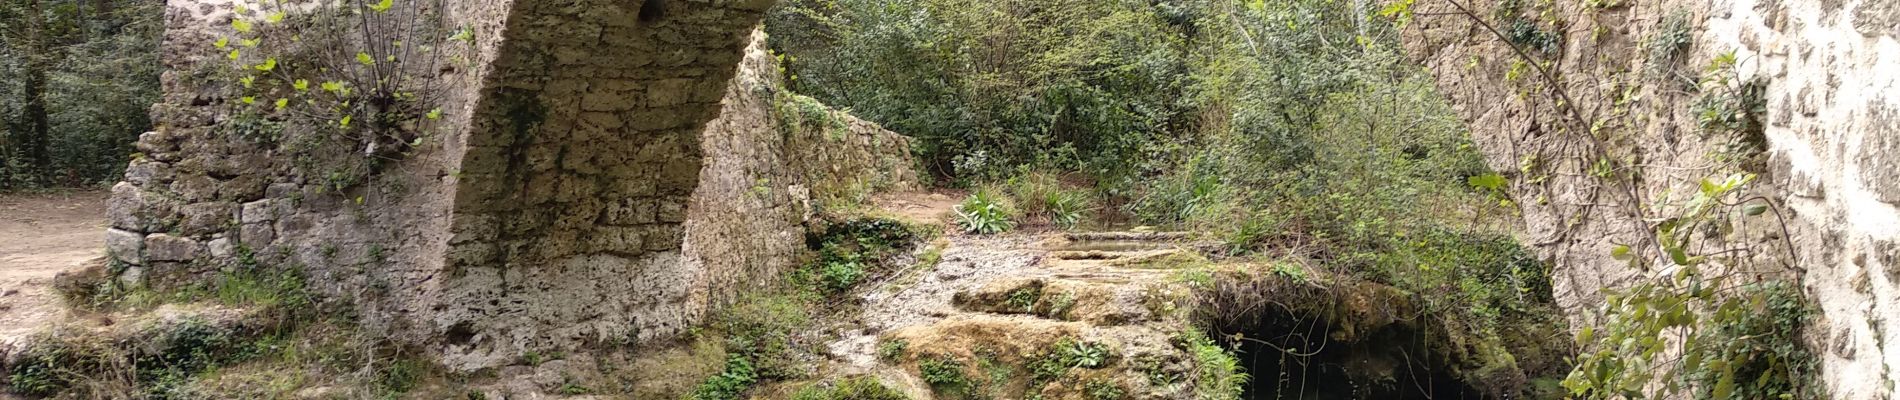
(1832, 160)
(604, 181)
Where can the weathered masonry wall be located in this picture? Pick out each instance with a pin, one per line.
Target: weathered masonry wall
(602, 180)
(1832, 146)
(577, 172)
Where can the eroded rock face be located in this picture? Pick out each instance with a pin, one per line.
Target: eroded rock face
(601, 179)
(1829, 147)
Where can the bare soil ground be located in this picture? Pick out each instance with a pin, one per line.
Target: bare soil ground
(41, 235)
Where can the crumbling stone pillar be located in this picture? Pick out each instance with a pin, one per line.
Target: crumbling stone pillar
(579, 165)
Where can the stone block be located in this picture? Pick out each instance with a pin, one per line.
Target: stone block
(661, 237)
(261, 211)
(257, 236)
(618, 240)
(165, 247)
(125, 246)
(195, 187)
(146, 172)
(631, 212)
(207, 218)
(672, 210)
(124, 210)
(474, 228)
(221, 247)
(282, 190)
(472, 254)
(132, 277)
(607, 101)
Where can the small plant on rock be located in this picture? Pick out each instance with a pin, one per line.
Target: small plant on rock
(1103, 390)
(944, 374)
(892, 350)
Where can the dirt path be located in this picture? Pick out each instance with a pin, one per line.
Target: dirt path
(42, 235)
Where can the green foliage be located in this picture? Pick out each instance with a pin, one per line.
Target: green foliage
(1290, 271)
(1060, 304)
(762, 328)
(1074, 84)
(983, 214)
(1695, 330)
(944, 375)
(1526, 34)
(77, 81)
(1755, 348)
(1024, 298)
(851, 251)
(761, 341)
(341, 88)
(892, 350)
(1068, 353)
(737, 377)
(1098, 389)
(1194, 193)
(1285, 128)
(1732, 109)
(1218, 374)
(1043, 196)
(1669, 45)
(854, 388)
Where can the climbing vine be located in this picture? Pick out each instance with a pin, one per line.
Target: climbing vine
(1706, 326)
(1708, 314)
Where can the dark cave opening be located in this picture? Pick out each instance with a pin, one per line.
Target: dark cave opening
(1307, 357)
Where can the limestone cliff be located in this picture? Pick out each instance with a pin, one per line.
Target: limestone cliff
(1602, 117)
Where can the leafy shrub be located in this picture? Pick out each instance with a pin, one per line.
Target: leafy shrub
(1218, 374)
(734, 380)
(1024, 299)
(1066, 208)
(839, 276)
(762, 328)
(944, 374)
(1754, 348)
(1669, 44)
(982, 214)
(1067, 354)
(854, 388)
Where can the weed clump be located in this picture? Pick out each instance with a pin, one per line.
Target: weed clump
(854, 388)
(944, 374)
(984, 213)
(852, 251)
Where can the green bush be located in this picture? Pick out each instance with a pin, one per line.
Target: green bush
(944, 374)
(76, 89)
(983, 214)
(734, 380)
(1218, 374)
(1067, 354)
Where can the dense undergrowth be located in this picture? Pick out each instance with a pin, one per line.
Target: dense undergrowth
(77, 80)
(1290, 131)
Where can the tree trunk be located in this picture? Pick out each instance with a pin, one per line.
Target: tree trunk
(36, 128)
